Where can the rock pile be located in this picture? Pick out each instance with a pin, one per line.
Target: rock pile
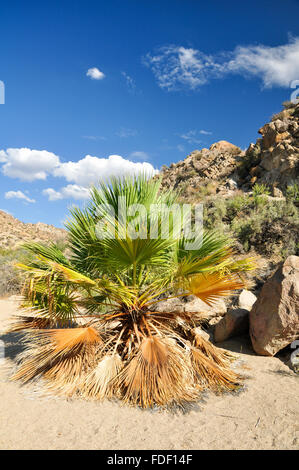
(203, 167)
(274, 159)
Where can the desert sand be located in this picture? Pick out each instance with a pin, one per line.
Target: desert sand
(263, 416)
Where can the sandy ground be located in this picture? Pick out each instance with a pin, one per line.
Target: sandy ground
(264, 416)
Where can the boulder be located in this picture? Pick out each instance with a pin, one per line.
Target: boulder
(278, 193)
(191, 304)
(224, 146)
(170, 305)
(194, 304)
(234, 323)
(204, 334)
(274, 318)
(246, 299)
(214, 320)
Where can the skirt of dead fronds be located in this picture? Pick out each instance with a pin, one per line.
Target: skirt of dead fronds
(163, 370)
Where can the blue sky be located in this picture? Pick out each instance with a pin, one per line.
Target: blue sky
(144, 81)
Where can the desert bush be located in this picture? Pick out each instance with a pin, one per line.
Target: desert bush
(292, 192)
(260, 223)
(10, 278)
(238, 204)
(271, 228)
(260, 190)
(10, 282)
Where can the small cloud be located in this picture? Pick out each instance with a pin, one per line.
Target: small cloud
(71, 191)
(95, 74)
(202, 131)
(93, 137)
(191, 137)
(176, 66)
(130, 82)
(181, 148)
(140, 155)
(18, 195)
(124, 133)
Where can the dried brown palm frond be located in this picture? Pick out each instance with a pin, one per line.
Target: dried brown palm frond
(22, 322)
(59, 356)
(154, 352)
(100, 382)
(70, 338)
(70, 371)
(220, 356)
(212, 376)
(159, 374)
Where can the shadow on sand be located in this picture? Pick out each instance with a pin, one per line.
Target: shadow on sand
(242, 345)
(13, 344)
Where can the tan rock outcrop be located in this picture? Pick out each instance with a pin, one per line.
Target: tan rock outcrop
(275, 157)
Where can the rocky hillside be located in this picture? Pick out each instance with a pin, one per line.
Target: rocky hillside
(273, 160)
(252, 196)
(13, 232)
(206, 168)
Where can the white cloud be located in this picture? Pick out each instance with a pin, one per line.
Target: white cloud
(202, 131)
(178, 67)
(3, 157)
(175, 66)
(181, 148)
(95, 74)
(130, 82)
(191, 137)
(93, 137)
(124, 132)
(71, 191)
(28, 165)
(139, 154)
(276, 66)
(89, 170)
(18, 195)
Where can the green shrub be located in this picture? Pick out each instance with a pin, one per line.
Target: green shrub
(10, 282)
(238, 204)
(292, 192)
(260, 190)
(268, 226)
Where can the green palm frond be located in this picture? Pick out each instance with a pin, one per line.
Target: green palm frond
(51, 252)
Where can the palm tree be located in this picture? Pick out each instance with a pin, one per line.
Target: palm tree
(94, 329)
